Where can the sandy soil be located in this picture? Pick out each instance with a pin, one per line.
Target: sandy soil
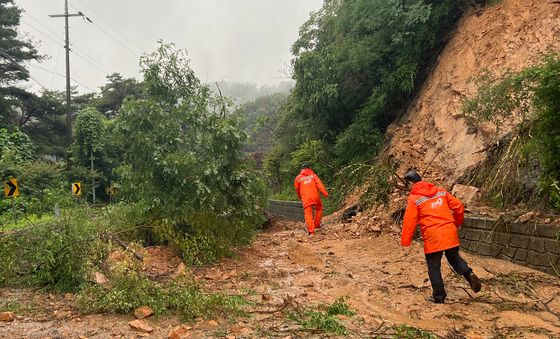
(283, 270)
(501, 38)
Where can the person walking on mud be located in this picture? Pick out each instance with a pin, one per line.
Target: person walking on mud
(308, 185)
(439, 215)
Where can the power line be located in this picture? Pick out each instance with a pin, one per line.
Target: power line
(56, 65)
(61, 75)
(43, 25)
(110, 25)
(74, 50)
(109, 34)
(26, 72)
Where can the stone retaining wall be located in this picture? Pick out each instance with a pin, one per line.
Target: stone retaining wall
(527, 244)
(289, 210)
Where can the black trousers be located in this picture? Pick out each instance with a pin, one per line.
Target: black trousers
(434, 269)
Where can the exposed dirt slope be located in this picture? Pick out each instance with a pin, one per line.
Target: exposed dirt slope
(508, 36)
(283, 271)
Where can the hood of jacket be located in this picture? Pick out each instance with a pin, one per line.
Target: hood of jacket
(306, 171)
(424, 188)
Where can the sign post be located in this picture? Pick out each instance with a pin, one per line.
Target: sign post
(11, 190)
(77, 190)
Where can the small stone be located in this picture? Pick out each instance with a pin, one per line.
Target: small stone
(230, 337)
(178, 332)
(7, 316)
(212, 323)
(547, 221)
(526, 217)
(354, 228)
(140, 326)
(143, 312)
(99, 278)
(341, 316)
(178, 271)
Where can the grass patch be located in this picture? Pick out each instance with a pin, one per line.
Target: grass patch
(20, 307)
(410, 332)
(183, 297)
(323, 317)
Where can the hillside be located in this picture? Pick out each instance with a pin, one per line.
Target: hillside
(509, 36)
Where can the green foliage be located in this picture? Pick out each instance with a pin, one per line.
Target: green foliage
(410, 332)
(115, 91)
(323, 317)
(130, 290)
(261, 119)
(89, 135)
(15, 146)
(57, 252)
(530, 97)
(357, 64)
(340, 307)
(183, 160)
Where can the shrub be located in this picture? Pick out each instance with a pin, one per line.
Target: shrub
(130, 290)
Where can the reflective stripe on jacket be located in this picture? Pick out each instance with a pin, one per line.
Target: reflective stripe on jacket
(438, 213)
(308, 185)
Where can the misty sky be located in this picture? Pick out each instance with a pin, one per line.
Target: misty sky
(232, 40)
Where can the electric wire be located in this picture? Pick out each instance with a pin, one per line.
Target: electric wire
(109, 34)
(75, 50)
(21, 68)
(61, 75)
(109, 24)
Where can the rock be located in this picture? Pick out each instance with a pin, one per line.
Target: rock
(472, 130)
(341, 316)
(178, 332)
(547, 221)
(178, 271)
(7, 316)
(467, 194)
(354, 228)
(418, 147)
(99, 278)
(140, 326)
(526, 217)
(143, 312)
(212, 323)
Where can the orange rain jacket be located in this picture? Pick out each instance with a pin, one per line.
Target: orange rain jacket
(431, 207)
(307, 186)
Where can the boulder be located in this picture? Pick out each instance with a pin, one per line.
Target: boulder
(467, 194)
(143, 312)
(179, 332)
(140, 326)
(7, 316)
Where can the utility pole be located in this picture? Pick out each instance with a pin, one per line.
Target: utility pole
(66, 15)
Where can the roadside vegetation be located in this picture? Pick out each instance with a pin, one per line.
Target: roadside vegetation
(523, 166)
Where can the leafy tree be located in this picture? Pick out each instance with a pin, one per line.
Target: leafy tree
(261, 119)
(115, 91)
(357, 64)
(14, 51)
(183, 158)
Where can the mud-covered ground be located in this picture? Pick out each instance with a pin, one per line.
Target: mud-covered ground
(283, 271)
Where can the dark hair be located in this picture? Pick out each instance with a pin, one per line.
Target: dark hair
(412, 176)
(305, 165)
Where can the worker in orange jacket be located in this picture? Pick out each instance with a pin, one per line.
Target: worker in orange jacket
(439, 215)
(308, 185)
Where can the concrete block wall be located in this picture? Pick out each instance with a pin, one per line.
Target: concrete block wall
(289, 210)
(527, 244)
